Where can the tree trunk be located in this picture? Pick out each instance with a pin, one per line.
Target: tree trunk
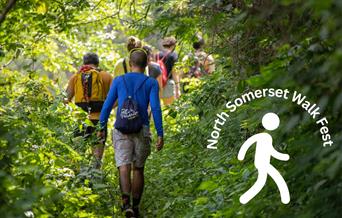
(10, 4)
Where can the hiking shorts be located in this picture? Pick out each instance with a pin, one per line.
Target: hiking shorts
(132, 148)
(169, 89)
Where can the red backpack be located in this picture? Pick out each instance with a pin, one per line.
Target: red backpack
(163, 68)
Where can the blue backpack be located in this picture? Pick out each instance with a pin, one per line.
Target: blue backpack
(128, 119)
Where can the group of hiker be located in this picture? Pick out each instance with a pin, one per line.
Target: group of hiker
(141, 80)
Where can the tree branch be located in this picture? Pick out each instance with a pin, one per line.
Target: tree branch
(93, 9)
(98, 20)
(10, 4)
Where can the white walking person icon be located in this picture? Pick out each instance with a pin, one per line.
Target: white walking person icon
(263, 153)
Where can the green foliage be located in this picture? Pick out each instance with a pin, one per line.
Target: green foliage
(296, 45)
(296, 48)
(43, 169)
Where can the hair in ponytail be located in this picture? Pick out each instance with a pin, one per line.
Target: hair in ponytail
(133, 42)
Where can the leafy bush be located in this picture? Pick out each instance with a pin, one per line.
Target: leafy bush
(47, 172)
(44, 170)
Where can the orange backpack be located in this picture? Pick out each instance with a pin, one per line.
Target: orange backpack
(163, 69)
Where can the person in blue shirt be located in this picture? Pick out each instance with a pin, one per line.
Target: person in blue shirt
(132, 150)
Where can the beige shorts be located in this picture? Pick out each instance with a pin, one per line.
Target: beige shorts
(169, 89)
(132, 148)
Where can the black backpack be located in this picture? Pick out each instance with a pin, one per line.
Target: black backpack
(128, 119)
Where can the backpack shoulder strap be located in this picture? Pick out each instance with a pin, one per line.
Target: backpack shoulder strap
(141, 84)
(125, 84)
(169, 76)
(164, 57)
(124, 65)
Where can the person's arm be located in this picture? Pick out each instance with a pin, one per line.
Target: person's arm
(175, 76)
(210, 64)
(246, 146)
(155, 108)
(160, 84)
(157, 114)
(70, 89)
(108, 104)
(280, 156)
(109, 79)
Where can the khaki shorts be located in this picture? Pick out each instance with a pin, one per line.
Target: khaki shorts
(132, 148)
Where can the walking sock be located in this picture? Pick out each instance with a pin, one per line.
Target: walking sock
(136, 202)
(125, 201)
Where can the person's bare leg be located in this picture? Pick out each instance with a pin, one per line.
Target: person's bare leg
(125, 184)
(125, 178)
(98, 153)
(99, 149)
(137, 187)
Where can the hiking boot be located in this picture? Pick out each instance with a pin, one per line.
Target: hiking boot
(129, 213)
